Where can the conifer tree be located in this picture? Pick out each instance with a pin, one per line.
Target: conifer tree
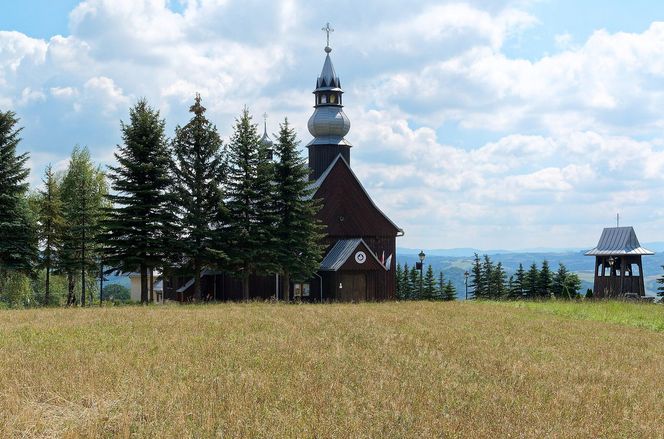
(414, 284)
(660, 289)
(298, 232)
(572, 286)
(405, 283)
(440, 293)
(477, 280)
(398, 274)
(531, 281)
(139, 225)
(83, 195)
(199, 170)
(18, 238)
(545, 280)
(519, 285)
(429, 285)
(498, 290)
(450, 292)
(50, 225)
(245, 241)
(559, 280)
(487, 290)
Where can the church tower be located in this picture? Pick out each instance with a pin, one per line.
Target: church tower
(329, 124)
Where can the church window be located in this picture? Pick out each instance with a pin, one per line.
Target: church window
(323, 99)
(333, 99)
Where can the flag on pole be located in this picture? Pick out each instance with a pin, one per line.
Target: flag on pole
(388, 263)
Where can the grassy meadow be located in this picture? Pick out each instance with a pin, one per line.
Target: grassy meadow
(371, 370)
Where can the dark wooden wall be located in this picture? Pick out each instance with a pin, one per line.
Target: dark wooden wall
(619, 279)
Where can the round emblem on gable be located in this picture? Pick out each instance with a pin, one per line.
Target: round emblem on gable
(360, 257)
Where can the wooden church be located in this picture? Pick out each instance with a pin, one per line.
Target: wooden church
(360, 258)
(618, 265)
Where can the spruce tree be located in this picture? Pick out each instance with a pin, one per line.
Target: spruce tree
(200, 169)
(245, 237)
(18, 238)
(399, 281)
(498, 290)
(50, 225)
(414, 284)
(405, 283)
(477, 280)
(298, 232)
(429, 285)
(660, 289)
(488, 287)
(84, 204)
(519, 286)
(137, 229)
(559, 282)
(531, 282)
(440, 293)
(450, 292)
(545, 280)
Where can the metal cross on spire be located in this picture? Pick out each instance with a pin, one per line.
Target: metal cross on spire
(327, 29)
(265, 121)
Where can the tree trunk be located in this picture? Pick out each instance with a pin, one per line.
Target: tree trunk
(151, 285)
(144, 283)
(83, 275)
(71, 298)
(285, 286)
(245, 282)
(197, 280)
(47, 297)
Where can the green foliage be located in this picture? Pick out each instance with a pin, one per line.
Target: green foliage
(18, 239)
(15, 289)
(50, 225)
(84, 204)
(498, 290)
(518, 287)
(414, 278)
(116, 292)
(429, 289)
(139, 230)
(566, 285)
(544, 280)
(450, 292)
(298, 233)
(401, 283)
(476, 277)
(660, 289)
(200, 170)
(589, 293)
(531, 282)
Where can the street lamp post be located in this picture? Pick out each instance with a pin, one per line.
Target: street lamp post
(465, 275)
(421, 256)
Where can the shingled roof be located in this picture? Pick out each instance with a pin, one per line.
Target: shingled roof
(616, 241)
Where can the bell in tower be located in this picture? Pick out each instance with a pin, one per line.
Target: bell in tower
(329, 124)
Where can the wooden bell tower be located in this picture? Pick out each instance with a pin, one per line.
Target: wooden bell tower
(618, 266)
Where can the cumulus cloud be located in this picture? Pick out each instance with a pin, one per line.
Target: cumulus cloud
(461, 143)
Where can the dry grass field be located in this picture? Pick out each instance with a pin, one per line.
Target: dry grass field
(373, 370)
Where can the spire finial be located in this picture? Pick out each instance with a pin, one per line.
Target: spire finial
(327, 29)
(617, 220)
(265, 122)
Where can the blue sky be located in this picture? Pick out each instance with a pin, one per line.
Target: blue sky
(488, 124)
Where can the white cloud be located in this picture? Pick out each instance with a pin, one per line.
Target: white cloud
(462, 144)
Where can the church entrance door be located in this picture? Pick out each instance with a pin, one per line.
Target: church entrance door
(352, 287)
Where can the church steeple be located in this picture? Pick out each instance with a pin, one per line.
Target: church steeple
(329, 124)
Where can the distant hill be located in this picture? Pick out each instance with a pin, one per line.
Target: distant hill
(454, 262)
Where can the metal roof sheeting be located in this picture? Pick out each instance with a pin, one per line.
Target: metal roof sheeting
(618, 241)
(341, 251)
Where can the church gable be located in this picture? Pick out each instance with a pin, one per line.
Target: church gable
(350, 254)
(347, 208)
